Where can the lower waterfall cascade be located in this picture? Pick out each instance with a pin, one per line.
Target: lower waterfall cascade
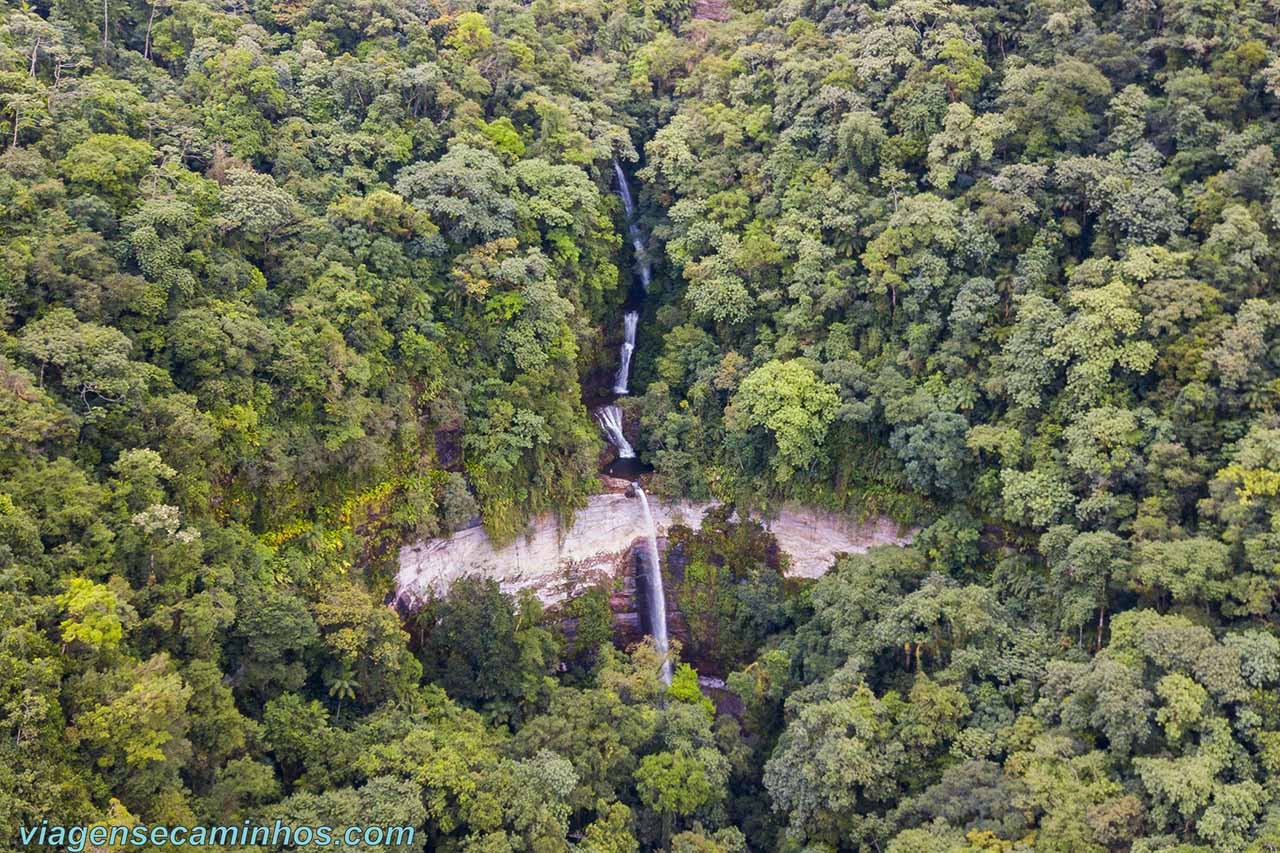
(610, 420)
(657, 593)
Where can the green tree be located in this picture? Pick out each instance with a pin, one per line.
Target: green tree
(792, 406)
(468, 191)
(367, 639)
(611, 833)
(90, 362)
(481, 648)
(675, 785)
(93, 615)
(111, 164)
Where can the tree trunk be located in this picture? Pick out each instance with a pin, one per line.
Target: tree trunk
(105, 23)
(35, 51)
(146, 46)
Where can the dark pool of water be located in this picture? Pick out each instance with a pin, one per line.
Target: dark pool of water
(627, 469)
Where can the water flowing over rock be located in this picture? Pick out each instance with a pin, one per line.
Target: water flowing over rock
(630, 321)
(643, 268)
(558, 561)
(624, 190)
(657, 592)
(610, 419)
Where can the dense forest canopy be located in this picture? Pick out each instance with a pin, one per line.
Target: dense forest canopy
(285, 285)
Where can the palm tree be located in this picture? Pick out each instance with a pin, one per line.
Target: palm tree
(343, 686)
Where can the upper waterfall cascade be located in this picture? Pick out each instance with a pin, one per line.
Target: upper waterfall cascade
(630, 321)
(624, 190)
(643, 268)
(610, 417)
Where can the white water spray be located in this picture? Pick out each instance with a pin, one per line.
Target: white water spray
(624, 191)
(657, 595)
(643, 267)
(630, 321)
(610, 418)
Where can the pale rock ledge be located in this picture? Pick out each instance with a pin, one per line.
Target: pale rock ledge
(557, 563)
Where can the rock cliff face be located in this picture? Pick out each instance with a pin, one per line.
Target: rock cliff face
(556, 560)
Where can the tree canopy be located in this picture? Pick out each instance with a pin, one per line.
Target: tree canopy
(287, 285)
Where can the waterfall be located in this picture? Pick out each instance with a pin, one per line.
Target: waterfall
(643, 268)
(642, 265)
(610, 418)
(630, 320)
(657, 596)
(624, 190)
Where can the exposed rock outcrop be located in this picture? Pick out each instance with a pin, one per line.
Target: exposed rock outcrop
(557, 560)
